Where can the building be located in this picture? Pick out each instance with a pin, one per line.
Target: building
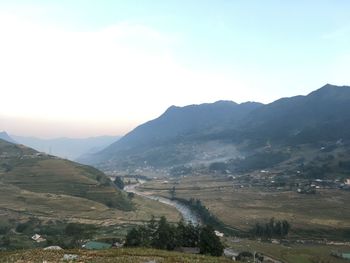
(37, 238)
(218, 234)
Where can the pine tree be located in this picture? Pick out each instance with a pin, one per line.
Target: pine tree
(164, 237)
(209, 243)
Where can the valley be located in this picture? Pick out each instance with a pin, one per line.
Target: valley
(324, 214)
(277, 187)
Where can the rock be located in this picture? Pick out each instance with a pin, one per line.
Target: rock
(67, 257)
(53, 248)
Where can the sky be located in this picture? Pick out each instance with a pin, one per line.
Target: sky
(80, 68)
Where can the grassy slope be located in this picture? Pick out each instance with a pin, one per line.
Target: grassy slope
(22, 168)
(47, 187)
(111, 255)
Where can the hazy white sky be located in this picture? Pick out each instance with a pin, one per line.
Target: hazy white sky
(86, 68)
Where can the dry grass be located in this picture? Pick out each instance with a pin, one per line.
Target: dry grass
(111, 255)
(65, 207)
(242, 208)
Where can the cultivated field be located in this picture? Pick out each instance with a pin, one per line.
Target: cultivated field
(310, 215)
(21, 204)
(291, 253)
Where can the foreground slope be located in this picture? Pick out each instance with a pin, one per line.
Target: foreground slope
(134, 255)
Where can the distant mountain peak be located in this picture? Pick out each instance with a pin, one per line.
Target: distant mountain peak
(4, 136)
(331, 90)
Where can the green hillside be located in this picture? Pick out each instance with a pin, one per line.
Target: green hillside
(27, 171)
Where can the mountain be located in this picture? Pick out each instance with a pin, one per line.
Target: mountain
(198, 135)
(68, 148)
(40, 184)
(160, 142)
(4, 136)
(322, 115)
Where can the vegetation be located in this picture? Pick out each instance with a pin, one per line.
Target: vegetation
(239, 204)
(124, 255)
(202, 212)
(261, 160)
(271, 229)
(162, 235)
(118, 181)
(209, 243)
(26, 169)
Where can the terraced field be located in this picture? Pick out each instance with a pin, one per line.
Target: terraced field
(38, 185)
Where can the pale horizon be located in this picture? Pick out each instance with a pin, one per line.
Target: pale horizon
(84, 69)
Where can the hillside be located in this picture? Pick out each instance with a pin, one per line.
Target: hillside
(323, 115)
(27, 173)
(251, 135)
(171, 138)
(70, 148)
(4, 136)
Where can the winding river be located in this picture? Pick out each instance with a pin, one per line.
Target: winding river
(184, 210)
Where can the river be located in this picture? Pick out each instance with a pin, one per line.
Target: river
(187, 214)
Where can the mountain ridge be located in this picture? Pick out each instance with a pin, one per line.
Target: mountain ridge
(64, 147)
(4, 136)
(195, 134)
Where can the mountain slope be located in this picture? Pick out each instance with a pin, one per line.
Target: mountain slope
(165, 135)
(321, 115)
(67, 147)
(4, 136)
(26, 171)
(202, 134)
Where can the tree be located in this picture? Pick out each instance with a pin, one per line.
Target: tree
(191, 235)
(271, 229)
(278, 229)
(152, 225)
(209, 243)
(285, 228)
(164, 236)
(133, 238)
(172, 192)
(119, 182)
(78, 232)
(187, 235)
